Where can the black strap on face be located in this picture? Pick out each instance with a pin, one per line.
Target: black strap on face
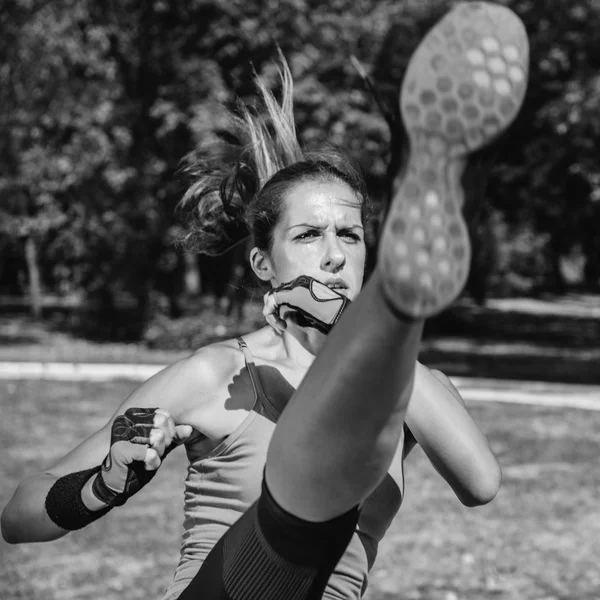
(317, 305)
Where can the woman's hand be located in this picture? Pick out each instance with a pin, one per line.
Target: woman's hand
(316, 305)
(140, 439)
(271, 312)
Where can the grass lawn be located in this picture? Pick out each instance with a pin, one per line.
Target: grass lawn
(538, 540)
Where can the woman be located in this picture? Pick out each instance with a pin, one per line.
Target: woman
(295, 511)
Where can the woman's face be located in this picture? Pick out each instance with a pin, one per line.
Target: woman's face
(320, 234)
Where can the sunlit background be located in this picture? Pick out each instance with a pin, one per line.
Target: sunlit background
(99, 103)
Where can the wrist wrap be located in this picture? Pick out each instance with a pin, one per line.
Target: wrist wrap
(64, 504)
(106, 494)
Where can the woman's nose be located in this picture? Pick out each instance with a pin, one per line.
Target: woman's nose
(334, 257)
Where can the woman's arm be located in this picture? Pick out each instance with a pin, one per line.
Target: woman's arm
(440, 423)
(175, 389)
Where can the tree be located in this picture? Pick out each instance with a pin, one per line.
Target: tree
(101, 101)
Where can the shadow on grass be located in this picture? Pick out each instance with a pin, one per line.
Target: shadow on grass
(548, 345)
(495, 325)
(518, 367)
(17, 339)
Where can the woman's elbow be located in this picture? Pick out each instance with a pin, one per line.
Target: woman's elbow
(10, 532)
(483, 489)
(17, 517)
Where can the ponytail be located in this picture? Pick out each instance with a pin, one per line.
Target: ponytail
(240, 181)
(228, 174)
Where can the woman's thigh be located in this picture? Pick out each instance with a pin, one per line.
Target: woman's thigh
(269, 554)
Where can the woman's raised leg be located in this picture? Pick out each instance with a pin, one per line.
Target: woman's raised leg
(338, 434)
(336, 438)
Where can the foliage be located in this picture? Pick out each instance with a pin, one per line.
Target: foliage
(548, 179)
(100, 102)
(209, 324)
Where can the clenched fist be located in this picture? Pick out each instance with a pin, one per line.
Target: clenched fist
(140, 439)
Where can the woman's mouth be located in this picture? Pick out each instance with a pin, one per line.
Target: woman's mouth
(339, 286)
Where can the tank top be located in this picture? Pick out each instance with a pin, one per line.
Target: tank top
(221, 485)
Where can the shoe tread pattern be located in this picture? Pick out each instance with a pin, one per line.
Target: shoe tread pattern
(463, 87)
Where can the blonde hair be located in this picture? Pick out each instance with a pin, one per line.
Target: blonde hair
(240, 180)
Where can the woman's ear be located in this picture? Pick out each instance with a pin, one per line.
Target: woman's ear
(261, 264)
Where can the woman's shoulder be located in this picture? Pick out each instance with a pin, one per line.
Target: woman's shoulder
(212, 364)
(218, 361)
(191, 381)
(201, 371)
(208, 370)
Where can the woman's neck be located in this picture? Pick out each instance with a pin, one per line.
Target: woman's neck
(302, 344)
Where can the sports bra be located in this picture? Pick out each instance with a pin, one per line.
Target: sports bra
(221, 485)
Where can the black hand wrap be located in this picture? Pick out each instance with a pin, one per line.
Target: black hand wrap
(64, 504)
(133, 427)
(317, 305)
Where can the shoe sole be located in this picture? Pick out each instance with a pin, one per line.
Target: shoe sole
(463, 87)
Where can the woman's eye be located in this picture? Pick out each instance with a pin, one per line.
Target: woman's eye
(306, 235)
(351, 236)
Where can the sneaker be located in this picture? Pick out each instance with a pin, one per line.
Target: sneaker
(463, 87)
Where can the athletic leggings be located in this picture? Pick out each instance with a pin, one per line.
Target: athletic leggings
(269, 554)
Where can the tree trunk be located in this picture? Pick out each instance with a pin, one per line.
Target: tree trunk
(192, 275)
(3, 245)
(33, 270)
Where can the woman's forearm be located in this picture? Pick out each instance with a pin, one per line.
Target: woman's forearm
(24, 519)
(441, 424)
